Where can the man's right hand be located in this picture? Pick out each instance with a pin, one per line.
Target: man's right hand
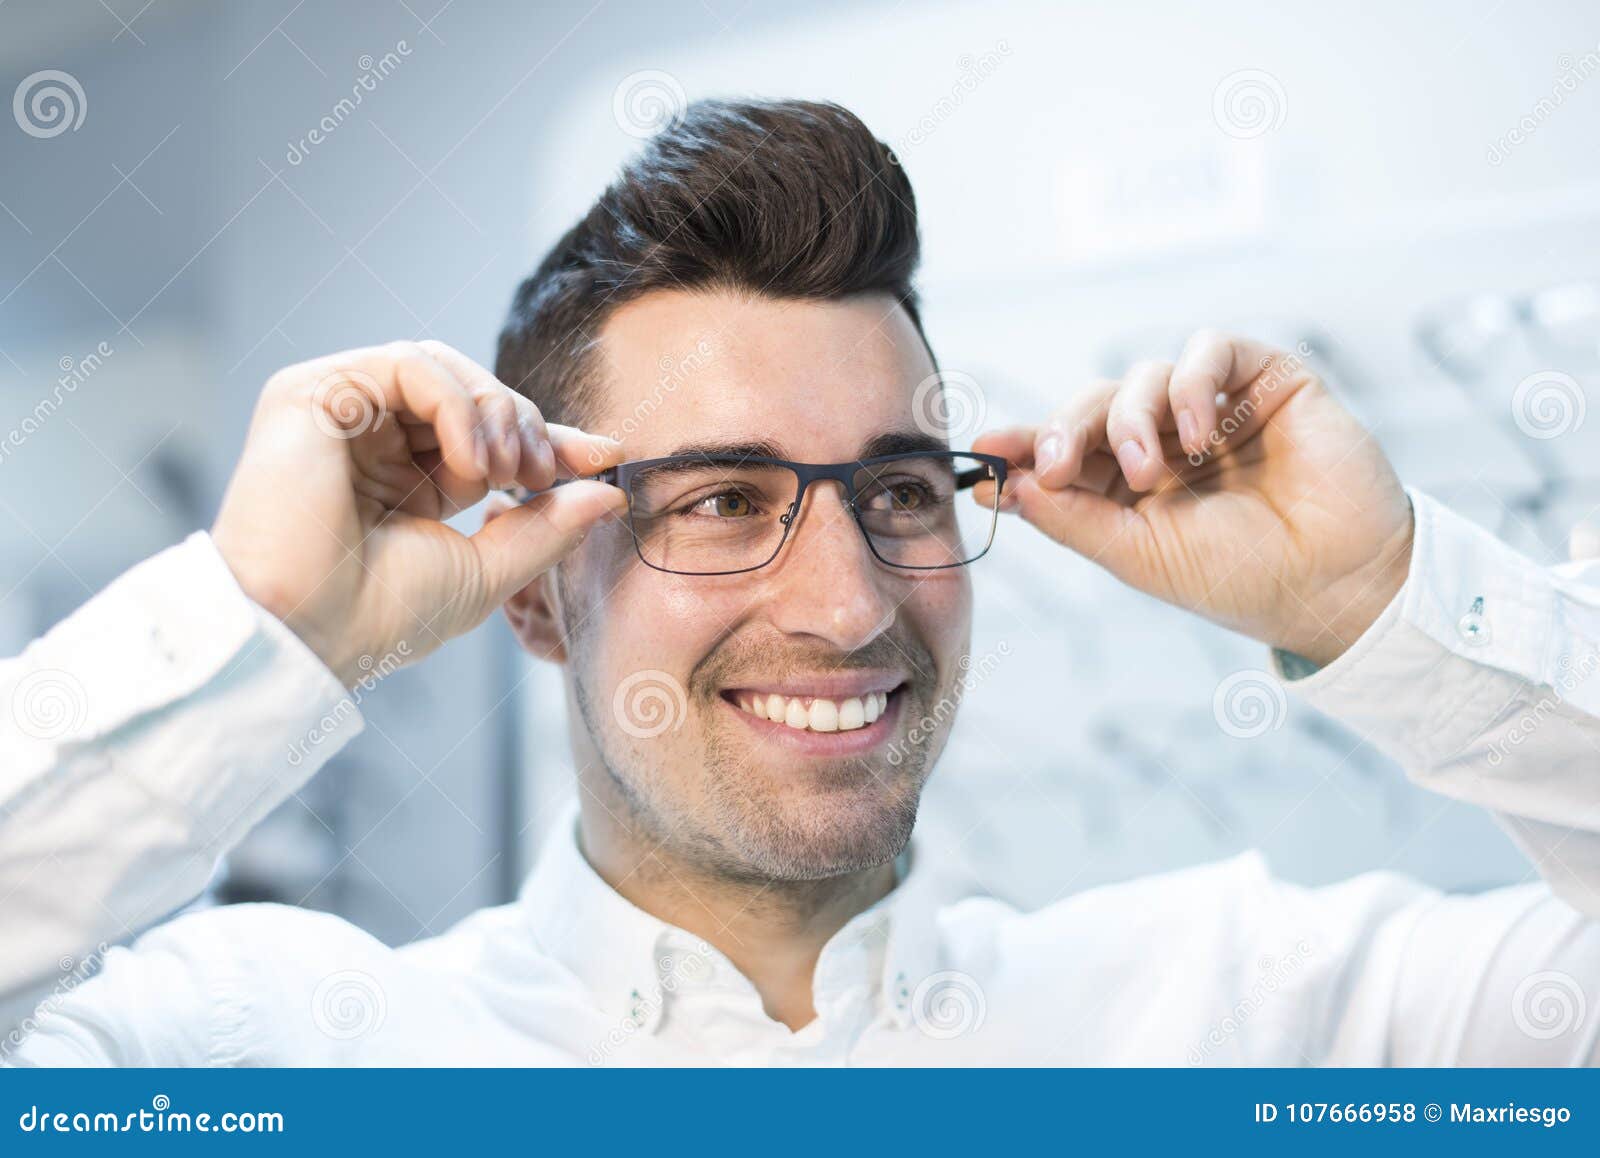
(333, 518)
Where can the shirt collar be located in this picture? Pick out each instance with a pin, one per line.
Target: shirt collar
(632, 962)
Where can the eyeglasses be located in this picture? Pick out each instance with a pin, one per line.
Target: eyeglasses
(702, 514)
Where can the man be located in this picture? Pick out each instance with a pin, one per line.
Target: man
(753, 623)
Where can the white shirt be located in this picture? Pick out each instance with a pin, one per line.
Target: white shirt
(150, 730)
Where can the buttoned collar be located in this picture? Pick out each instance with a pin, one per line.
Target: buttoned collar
(633, 964)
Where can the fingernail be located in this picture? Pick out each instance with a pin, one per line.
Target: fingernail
(1048, 453)
(1130, 457)
(480, 450)
(1188, 431)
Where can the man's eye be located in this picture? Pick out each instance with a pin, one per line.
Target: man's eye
(727, 505)
(896, 497)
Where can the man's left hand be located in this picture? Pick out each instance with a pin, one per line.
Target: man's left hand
(1232, 484)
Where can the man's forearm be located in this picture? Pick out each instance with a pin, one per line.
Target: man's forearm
(1483, 679)
(146, 735)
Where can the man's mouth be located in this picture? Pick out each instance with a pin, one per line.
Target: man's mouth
(821, 709)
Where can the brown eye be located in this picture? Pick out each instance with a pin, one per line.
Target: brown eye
(731, 505)
(907, 498)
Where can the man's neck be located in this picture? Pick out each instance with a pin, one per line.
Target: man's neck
(772, 931)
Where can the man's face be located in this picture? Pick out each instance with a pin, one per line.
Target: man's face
(663, 669)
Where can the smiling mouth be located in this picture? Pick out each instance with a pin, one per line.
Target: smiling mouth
(807, 713)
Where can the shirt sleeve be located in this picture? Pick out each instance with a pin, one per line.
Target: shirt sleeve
(1482, 679)
(144, 736)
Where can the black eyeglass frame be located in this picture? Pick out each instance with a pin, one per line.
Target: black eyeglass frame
(844, 473)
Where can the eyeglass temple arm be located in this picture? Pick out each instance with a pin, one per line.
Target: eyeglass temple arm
(524, 495)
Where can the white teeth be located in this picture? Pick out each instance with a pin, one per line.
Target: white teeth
(814, 713)
(852, 714)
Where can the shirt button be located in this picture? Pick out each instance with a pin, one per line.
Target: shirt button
(1473, 627)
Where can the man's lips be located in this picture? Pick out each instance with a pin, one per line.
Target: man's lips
(822, 726)
(834, 703)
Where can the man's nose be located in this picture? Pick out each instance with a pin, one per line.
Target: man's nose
(826, 581)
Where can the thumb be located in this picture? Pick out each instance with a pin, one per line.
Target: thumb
(517, 546)
(1080, 520)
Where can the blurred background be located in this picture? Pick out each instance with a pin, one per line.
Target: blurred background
(193, 195)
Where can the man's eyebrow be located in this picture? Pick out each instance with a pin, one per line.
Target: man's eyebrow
(758, 449)
(890, 442)
(902, 442)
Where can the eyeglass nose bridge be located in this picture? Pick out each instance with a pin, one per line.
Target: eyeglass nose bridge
(843, 473)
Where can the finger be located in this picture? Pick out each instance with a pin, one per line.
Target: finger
(1077, 518)
(409, 382)
(582, 453)
(536, 460)
(1133, 424)
(1071, 433)
(1255, 378)
(517, 546)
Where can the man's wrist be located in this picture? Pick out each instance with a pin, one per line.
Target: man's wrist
(1341, 613)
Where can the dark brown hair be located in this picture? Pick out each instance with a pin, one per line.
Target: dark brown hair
(790, 199)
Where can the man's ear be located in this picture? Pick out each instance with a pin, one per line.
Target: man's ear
(533, 612)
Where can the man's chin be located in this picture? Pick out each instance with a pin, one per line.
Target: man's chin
(822, 834)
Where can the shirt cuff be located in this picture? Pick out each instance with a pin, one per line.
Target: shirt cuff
(1424, 676)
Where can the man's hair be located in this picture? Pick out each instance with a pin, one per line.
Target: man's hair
(788, 199)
